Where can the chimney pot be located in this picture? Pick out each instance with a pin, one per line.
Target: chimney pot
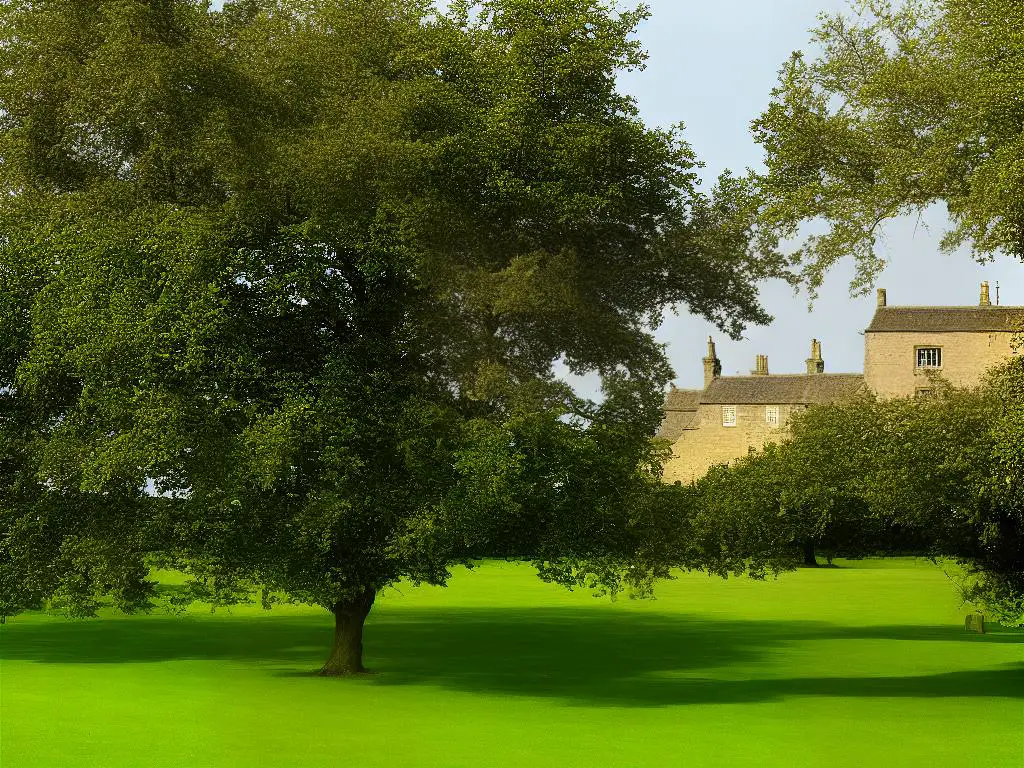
(881, 297)
(712, 365)
(814, 363)
(985, 300)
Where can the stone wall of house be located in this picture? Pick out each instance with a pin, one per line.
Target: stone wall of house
(697, 450)
(890, 364)
(673, 424)
(890, 370)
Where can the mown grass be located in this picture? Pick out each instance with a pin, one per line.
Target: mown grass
(865, 664)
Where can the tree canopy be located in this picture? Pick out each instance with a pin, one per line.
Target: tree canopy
(938, 476)
(905, 105)
(283, 286)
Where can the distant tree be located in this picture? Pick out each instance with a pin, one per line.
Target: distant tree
(906, 104)
(802, 496)
(822, 474)
(302, 270)
(739, 512)
(999, 570)
(940, 476)
(949, 467)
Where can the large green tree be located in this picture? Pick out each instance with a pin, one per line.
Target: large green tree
(905, 104)
(283, 286)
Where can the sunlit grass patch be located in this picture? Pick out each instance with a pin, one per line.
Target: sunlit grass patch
(866, 663)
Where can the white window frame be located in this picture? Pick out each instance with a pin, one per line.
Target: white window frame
(771, 415)
(728, 415)
(927, 358)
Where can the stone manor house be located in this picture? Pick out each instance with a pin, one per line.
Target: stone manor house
(904, 348)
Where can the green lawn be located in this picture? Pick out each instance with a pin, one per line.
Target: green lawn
(866, 664)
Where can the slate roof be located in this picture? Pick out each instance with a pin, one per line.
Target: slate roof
(680, 412)
(946, 319)
(683, 400)
(783, 389)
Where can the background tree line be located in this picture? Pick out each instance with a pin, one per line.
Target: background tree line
(941, 476)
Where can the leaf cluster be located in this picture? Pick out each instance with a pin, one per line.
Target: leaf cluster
(903, 105)
(284, 283)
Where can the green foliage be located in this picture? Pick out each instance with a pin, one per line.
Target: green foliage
(940, 475)
(825, 475)
(740, 515)
(303, 269)
(906, 104)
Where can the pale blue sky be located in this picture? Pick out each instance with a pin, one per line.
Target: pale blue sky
(712, 66)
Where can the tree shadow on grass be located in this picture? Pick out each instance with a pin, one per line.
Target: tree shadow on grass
(589, 656)
(630, 659)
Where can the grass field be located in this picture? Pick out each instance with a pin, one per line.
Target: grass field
(865, 664)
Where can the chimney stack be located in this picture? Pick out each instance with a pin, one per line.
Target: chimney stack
(762, 366)
(985, 301)
(881, 297)
(712, 365)
(814, 363)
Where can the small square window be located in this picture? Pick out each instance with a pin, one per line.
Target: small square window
(728, 415)
(771, 415)
(929, 357)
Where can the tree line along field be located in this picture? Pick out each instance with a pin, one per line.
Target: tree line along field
(867, 663)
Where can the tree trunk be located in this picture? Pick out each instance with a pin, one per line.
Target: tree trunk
(347, 651)
(809, 558)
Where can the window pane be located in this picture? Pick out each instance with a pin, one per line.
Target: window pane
(929, 357)
(728, 415)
